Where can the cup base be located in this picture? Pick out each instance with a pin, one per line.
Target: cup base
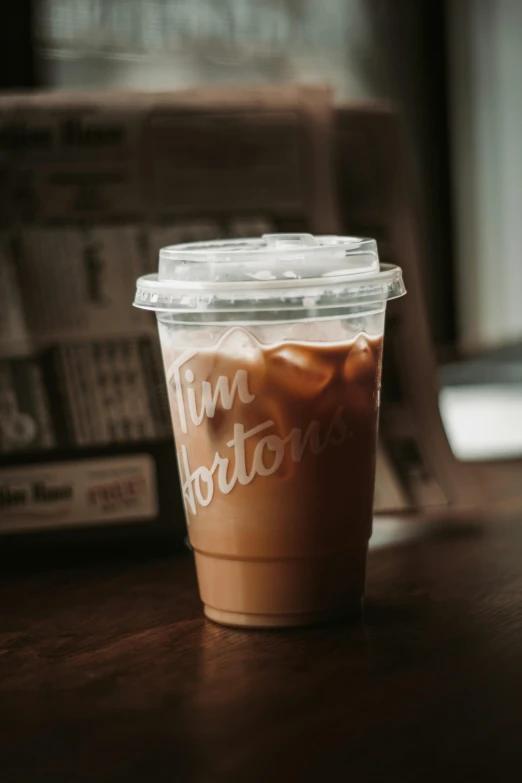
(242, 620)
(278, 593)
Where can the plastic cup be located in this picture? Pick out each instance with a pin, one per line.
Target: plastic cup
(272, 350)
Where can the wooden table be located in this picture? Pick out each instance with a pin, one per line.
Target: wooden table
(109, 672)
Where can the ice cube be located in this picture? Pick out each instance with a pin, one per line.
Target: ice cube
(303, 370)
(239, 350)
(360, 365)
(240, 345)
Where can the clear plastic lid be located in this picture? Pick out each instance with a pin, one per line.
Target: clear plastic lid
(275, 273)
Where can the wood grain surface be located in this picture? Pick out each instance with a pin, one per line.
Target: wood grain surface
(108, 672)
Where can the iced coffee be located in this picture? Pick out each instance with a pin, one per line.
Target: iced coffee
(275, 415)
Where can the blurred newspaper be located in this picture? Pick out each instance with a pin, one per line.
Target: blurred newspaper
(91, 186)
(376, 199)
